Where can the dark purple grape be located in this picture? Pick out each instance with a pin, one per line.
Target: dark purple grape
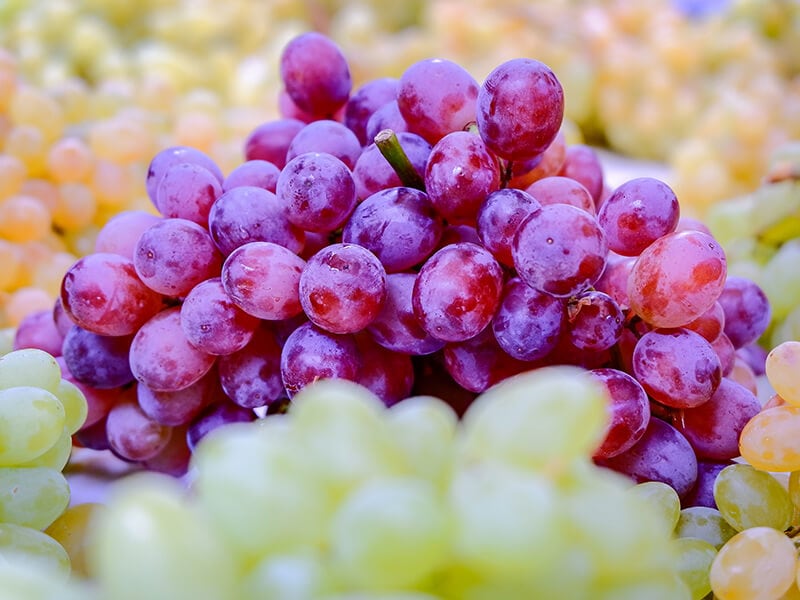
(100, 361)
(595, 321)
(365, 101)
(251, 377)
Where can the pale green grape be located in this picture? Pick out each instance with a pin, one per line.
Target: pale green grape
(149, 544)
(781, 280)
(424, 427)
(390, 533)
(705, 523)
(787, 330)
(26, 581)
(732, 220)
(694, 560)
(75, 406)
(747, 497)
(31, 422)
(548, 416)
(30, 547)
(663, 498)
(279, 506)
(33, 497)
(29, 367)
(659, 587)
(56, 457)
(289, 577)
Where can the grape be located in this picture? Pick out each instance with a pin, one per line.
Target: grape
(342, 288)
(702, 493)
(737, 569)
(326, 136)
(436, 97)
(677, 278)
(582, 164)
(316, 74)
(30, 367)
(100, 361)
(629, 409)
(175, 457)
(561, 190)
(459, 174)
(255, 173)
(212, 322)
(747, 311)
(182, 406)
(71, 530)
(389, 375)
(270, 141)
(32, 497)
(704, 523)
(781, 369)
(664, 498)
(499, 217)
(677, 367)
(162, 358)
(31, 422)
(187, 191)
(696, 556)
(457, 291)
(165, 159)
(318, 191)
(710, 324)
(520, 107)
(38, 330)
(595, 321)
(387, 116)
(747, 497)
(102, 292)
(222, 412)
(364, 101)
(121, 232)
(547, 164)
(398, 225)
(637, 213)
(263, 278)
(726, 352)
(528, 323)
(768, 441)
(174, 255)
(373, 172)
(559, 249)
(132, 435)
(32, 548)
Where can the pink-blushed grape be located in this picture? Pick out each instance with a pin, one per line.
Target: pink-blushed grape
(498, 218)
(182, 406)
(594, 321)
(121, 232)
(175, 155)
(387, 374)
(325, 135)
(557, 189)
(270, 141)
(132, 435)
(364, 101)
(187, 191)
(38, 330)
(614, 280)
(387, 116)
(629, 408)
(373, 173)
(747, 310)
(710, 324)
(256, 172)
(582, 164)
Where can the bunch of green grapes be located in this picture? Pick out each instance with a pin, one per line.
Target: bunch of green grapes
(344, 498)
(39, 412)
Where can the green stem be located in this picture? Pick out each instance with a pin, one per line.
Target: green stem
(393, 152)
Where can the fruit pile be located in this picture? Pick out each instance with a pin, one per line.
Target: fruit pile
(39, 412)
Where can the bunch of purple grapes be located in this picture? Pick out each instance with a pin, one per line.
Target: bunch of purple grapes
(421, 235)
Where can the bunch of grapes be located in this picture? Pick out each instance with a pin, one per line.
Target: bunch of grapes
(39, 412)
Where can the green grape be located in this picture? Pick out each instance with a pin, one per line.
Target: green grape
(732, 220)
(391, 533)
(694, 560)
(29, 367)
(30, 547)
(75, 406)
(31, 422)
(424, 427)
(26, 581)
(704, 523)
(780, 280)
(7, 339)
(296, 576)
(547, 416)
(663, 498)
(786, 331)
(793, 487)
(747, 497)
(149, 544)
(659, 587)
(279, 506)
(33, 497)
(56, 457)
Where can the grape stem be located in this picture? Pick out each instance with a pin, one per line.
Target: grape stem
(792, 532)
(393, 152)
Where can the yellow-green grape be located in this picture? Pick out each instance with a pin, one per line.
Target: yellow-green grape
(546, 417)
(787, 331)
(21, 580)
(149, 544)
(280, 507)
(694, 561)
(56, 457)
(747, 497)
(704, 523)
(780, 280)
(756, 564)
(783, 371)
(663, 498)
(291, 576)
(657, 587)
(75, 407)
(28, 546)
(30, 367)
(425, 427)
(793, 487)
(390, 533)
(31, 422)
(769, 440)
(72, 530)
(32, 496)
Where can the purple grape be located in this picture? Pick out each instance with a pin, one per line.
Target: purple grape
(316, 74)
(270, 141)
(437, 96)
(398, 225)
(726, 352)
(457, 291)
(702, 494)
(93, 436)
(387, 374)
(755, 356)
(582, 164)
(212, 322)
(162, 358)
(251, 214)
(459, 175)
(595, 321)
(455, 234)
(217, 415)
(175, 155)
(182, 406)
(100, 361)
(373, 173)
(562, 190)
(263, 280)
(386, 117)
(251, 377)
(174, 255)
(187, 191)
(479, 362)
(342, 288)
(38, 330)
(637, 213)
(365, 101)
(499, 216)
(396, 327)
(311, 353)
(677, 367)
(520, 108)
(747, 310)
(661, 454)
(528, 323)
(256, 172)
(175, 458)
(559, 249)
(318, 191)
(122, 231)
(614, 280)
(629, 408)
(326, 136)
(132, 435)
